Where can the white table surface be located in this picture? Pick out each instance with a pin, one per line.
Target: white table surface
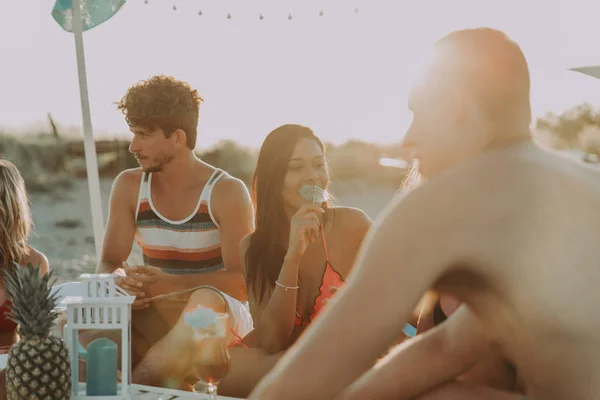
(150, 393)
(147, 393)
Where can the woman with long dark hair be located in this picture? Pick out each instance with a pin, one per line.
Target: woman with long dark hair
(301, 250)
(299, 254)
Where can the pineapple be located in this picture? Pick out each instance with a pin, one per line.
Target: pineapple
(38, 365)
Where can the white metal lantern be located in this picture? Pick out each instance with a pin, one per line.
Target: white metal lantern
(106, 306)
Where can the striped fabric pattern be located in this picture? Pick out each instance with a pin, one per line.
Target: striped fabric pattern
(188, 246)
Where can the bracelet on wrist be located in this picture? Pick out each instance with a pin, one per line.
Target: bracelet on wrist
(286, 288)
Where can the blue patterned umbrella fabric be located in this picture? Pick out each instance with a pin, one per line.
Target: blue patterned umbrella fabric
(93, 12)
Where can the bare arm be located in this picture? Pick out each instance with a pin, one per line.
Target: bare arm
(393, 271)
(120, 226)
(273, 325)
(425, 362)
(274, 317)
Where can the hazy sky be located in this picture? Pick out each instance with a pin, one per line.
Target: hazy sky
(345, 74)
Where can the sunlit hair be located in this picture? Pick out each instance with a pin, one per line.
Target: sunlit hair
(15, 215)
(412, 177)
(268, 242)
(163, 102)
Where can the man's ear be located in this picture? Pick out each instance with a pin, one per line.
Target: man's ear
(179, 138)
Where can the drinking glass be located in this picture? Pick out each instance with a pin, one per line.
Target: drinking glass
(211, 357)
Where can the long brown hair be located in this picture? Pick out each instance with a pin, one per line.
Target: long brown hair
(15, 215)
(268, 242)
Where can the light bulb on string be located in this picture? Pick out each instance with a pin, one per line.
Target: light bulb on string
(228, 15)
(261, 17)
(145, 1)
(174, 7)
(321, 13)
(200, 12)
(290, 17)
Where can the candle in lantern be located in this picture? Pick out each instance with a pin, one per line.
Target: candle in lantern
(101, 369)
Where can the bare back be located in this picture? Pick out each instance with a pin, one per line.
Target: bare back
(513, 234)
(532, 277)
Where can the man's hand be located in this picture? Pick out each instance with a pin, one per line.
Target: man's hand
(134, 282)
(154, 280)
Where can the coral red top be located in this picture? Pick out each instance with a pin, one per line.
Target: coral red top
(331, 278)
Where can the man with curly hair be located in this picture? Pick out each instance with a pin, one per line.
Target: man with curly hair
(187, 216)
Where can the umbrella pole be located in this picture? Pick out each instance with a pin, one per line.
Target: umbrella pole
(91, 162)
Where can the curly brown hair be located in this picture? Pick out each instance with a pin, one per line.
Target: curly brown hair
(163, 102)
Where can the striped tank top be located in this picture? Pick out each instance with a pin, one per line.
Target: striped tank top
(188, 246)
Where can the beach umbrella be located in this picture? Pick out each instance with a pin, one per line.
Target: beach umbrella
(593, 70)
(77, 16)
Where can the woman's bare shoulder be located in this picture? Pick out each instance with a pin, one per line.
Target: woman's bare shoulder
(351, 219)
(36, 257)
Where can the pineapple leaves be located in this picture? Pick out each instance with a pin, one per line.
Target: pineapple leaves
(33, 304)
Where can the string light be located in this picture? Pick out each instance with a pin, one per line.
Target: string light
(260, 15)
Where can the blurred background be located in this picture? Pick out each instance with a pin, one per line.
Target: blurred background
(342, 67)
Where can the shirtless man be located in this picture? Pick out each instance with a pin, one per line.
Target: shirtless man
(509, 229)
(187, 216)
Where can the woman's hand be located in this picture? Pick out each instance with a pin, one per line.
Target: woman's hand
(304, 229)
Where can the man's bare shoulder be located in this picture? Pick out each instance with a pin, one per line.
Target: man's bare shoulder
(531, 160)
(499, 189)
(126, 187)
(229, 189)
(128, 177)
(456, 204)
(508, 173)
(231, 200)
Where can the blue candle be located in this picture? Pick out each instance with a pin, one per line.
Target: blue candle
(101, 368)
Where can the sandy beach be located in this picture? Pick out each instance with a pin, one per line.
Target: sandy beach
(63, 221)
